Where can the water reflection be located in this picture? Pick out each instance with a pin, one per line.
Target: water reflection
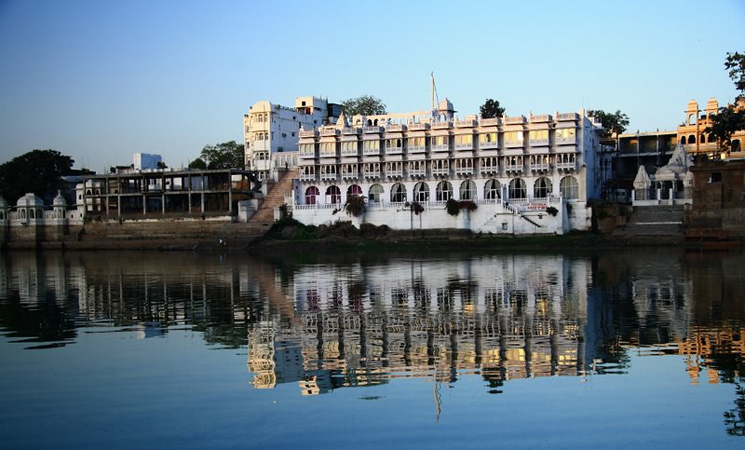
(333, 323)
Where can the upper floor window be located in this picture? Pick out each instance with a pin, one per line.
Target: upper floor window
(464, 139)
(566, 133)
(485, 138)
(538, 135)
(513, 137)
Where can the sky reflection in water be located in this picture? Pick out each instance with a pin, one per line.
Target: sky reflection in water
(193, 351)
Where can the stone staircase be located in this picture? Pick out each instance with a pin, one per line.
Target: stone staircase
(274, 198)
(654, 221)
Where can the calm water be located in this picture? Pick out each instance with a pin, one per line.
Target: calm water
(152, 350)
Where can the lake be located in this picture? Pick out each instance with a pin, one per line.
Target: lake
(625, 348)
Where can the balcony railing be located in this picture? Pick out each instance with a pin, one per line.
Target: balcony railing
(566, 140)
(514, 120)
(329, 153)
(540, 167)
(441, 171)
(308, 133)
(417, 173)
(395, 128)
(350, 175)
(371, 151)
(489, 169)
(540, 118)
(566, 165)
(394, 150)
(441, 148)
(468, 123)
(350, 130)
(490, 122)
(538, 142)
(514, 167)
(307, 155)
(442, 125)
(371, 173)
(350, 152)
(329, 131)
(567, 116)
(464, 170)
(464, 146)
(418, 126)
(374, 129)
(307, 177)
(394, 173)
(488, 145)
(417, 149)
(329, 176)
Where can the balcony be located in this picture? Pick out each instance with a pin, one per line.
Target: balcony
(491, 145)
(418, 126)
(418, 173)
(468, 123)
(440, 148)
(350, 130)
(371, 174)
(464, 147)
(394, 173)
(394, 150)
(493, 122)
(374, 129)
(417, 148)
(307, 155)
(328, 176)
(538, 142)
(489, 170)
(442, 125)
(308, 133)
(329, 153)
(566, 140)
(350, 152)
(518, 168)
(514, 120)
(307, 177)
(540, 167)
(540, 118)
(563, 117)
(567, 166)
(395, 128)
(329, 131)
(350, 175)
(464, 171)
(441, 171)
(371, 152)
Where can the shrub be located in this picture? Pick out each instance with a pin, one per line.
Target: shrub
(552, 211)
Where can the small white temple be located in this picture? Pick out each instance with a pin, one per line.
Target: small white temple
(670, 185)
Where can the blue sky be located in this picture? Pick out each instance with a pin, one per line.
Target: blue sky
(102, 80)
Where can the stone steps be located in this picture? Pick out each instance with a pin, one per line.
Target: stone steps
(275, 198)
(653, 221)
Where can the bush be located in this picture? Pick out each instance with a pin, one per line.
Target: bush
(552, 211)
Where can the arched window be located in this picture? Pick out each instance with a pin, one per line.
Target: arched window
(376, 193)
(421, 192)
(2, 215)
(444, 191)
(569, 188)
(467, 190)
(333, 194)
(310, 195)
(491, 190)
(542, 188)
(354, 190)
(712, 138)
(31, 213)
(517, 188)
(398, 193)
(23, 214)
(691, 139)
(701, 139)
(735, 145)
(682, 140)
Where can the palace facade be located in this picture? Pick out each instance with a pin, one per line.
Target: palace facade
(524, 174)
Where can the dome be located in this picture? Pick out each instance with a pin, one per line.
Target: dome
(642, 180)
(30, 200)
(59, 200)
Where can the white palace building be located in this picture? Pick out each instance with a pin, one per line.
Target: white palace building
(525, 175)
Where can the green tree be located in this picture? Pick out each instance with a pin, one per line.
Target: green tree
(731, 118)
(38, 171)
(491, 109)
(365, 105)
(198, 164)
(613, 123)
(228, 155)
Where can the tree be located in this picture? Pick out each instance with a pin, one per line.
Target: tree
(198, 164)
(491, 109)
(228, 155)
(38, 171)
(731, 118)
(613, 123)
(365, 105)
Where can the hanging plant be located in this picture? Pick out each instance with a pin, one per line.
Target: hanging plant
(451, 206)
(355, 205)
(468, 205)
(551, 210)
(416, 208)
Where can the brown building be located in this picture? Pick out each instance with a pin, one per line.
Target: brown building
(718, 196)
